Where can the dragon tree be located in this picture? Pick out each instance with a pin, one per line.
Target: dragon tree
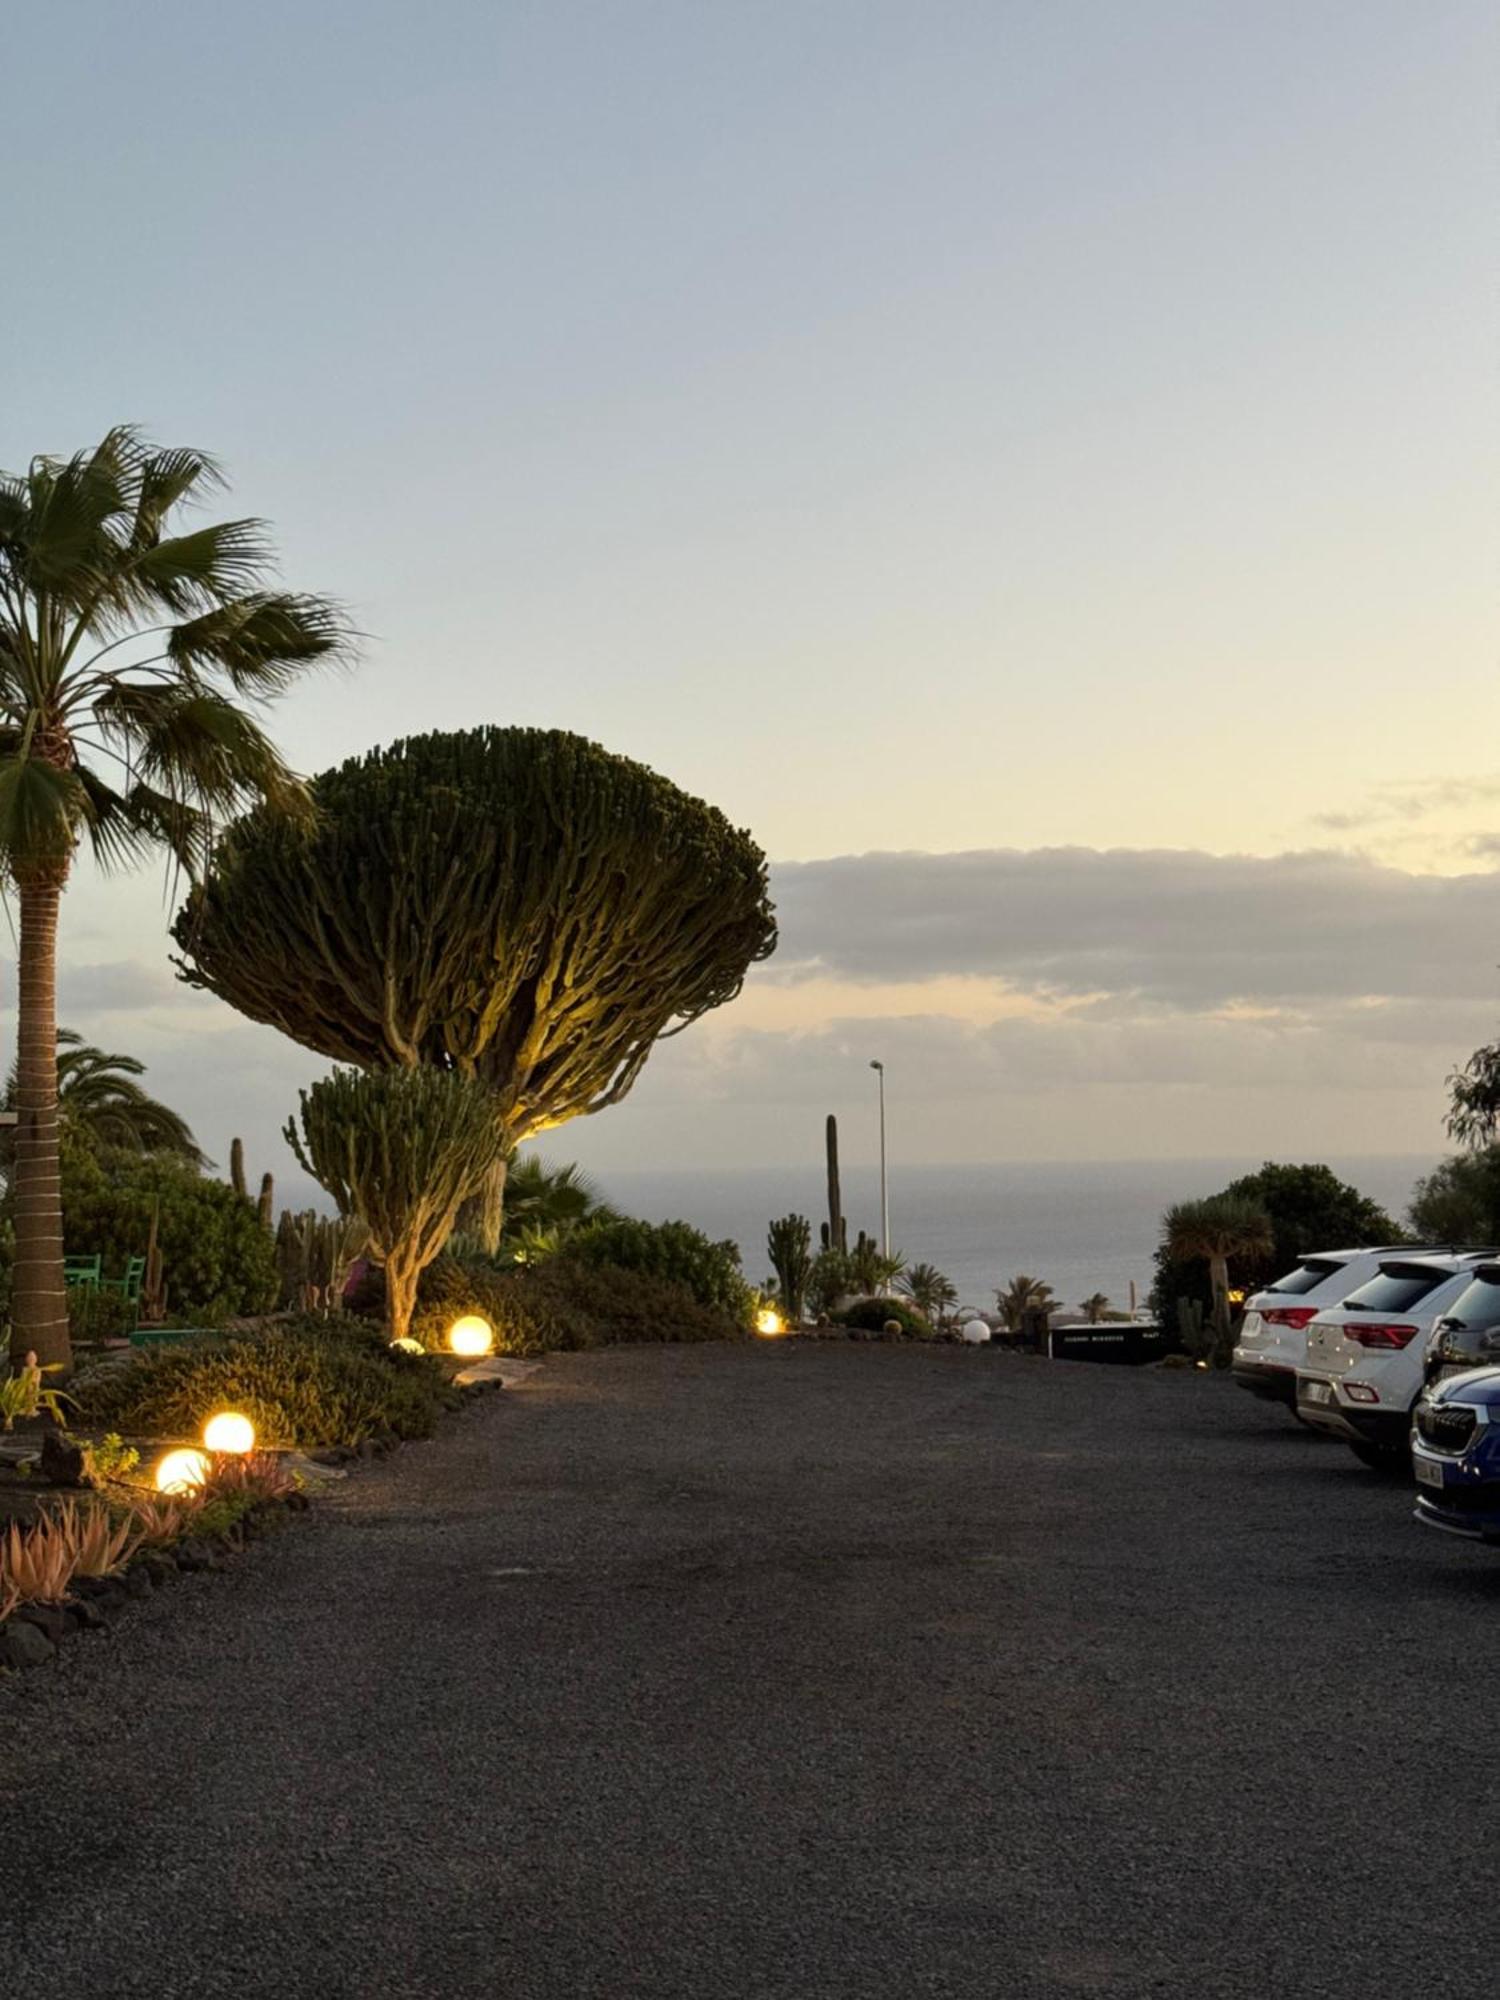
(516, 904)
(133, 654)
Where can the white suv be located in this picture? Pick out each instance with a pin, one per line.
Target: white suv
(1273, 1334)
(1363, 1370)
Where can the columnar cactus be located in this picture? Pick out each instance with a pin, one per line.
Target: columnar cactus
(789, 1246)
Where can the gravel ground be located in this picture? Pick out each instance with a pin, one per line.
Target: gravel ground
(788, 1670)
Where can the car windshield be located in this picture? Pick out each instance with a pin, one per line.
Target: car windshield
(1308, 1275)
(1396, 1289)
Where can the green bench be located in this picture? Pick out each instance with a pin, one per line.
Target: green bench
(168, 1336)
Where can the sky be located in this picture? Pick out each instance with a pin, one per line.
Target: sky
(1032, 462)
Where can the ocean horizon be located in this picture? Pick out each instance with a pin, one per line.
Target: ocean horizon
(1083, 1226)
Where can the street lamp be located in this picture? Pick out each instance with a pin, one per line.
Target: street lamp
(885, 1202)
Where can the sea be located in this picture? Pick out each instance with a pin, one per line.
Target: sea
(1084, 1227)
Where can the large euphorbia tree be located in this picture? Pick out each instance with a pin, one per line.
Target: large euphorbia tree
(131, 658)
(516, 904)
(399, 1150)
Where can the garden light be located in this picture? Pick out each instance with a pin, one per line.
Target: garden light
(769, 1322)
(471, 1336)
(229, 1432)
(406, 1345)
(182, 1472)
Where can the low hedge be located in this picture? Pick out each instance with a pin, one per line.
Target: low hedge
(674, 1252)
(307, 1382)
(871, 1315)
(561, 1305)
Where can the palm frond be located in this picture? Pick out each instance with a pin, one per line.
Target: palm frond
(263, 641)
(41, 811)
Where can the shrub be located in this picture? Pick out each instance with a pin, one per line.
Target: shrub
(562, 1305)
(674, 1251)
(94, 1316)
(308, 1382)
(217, 1259)
(872, 1315)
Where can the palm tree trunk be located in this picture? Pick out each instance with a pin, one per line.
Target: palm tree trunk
(39, 1307)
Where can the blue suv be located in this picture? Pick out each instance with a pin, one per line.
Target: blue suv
(1455, 1447)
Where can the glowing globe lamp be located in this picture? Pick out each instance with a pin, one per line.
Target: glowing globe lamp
(976, 1332)
(182, 1472)
(229, 1432)
(406, 1345)
(471, 1336)
(769, 1322)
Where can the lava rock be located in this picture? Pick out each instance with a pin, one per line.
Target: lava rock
(159, 1566)
(297, 1503)
(194, 1554)
(24, 1644)
(84, 1615)
(62, 1462)
(138, 1580)
(108, 1592)
(51, 1620)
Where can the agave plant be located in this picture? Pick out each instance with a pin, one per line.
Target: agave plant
(24, 1394)
(160, 1520)
(102, 1546)
(37, 1564)
(259, 1475)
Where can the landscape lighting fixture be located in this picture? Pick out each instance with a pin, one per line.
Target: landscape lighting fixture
(769, 1322)
(182, 1471)
(471, 1337)
(229, 1432)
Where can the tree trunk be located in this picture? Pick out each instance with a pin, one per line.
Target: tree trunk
(400, 1297)
(487, 1206)
(39, 1306)
(1218, 1273)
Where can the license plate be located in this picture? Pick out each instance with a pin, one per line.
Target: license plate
(1251, 1323)
(1428, 1472)
(1317, 1392)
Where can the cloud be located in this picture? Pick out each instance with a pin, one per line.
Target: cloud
(1412, 799)
(1186, 929)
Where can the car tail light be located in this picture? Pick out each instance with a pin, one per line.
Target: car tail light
(1361, 1392)
(1294, 1316)
(1379, 1333)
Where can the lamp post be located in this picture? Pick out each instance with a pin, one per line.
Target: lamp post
(885, 1203)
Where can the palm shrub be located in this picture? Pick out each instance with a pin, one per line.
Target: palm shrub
(1215, 1230)
(1021, 1295)
(933, 1295)
(401, 1149)
(517, 904)
(789, 1247)
(131, 655)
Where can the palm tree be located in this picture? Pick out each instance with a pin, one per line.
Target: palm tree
(553, 1199)
(1021, 1293)
(929, 1291)
(1094, 1307)
(100, 1103)
(1215, 1230)
(130, 661)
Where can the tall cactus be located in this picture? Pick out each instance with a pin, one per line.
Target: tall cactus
(237, 1167)
(153, 1286)
(401, 1149)
(265, 1206)
(838, 1228)
(314, 1254)
(789, 1246)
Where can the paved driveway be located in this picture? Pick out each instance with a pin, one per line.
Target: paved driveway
(787, 1671)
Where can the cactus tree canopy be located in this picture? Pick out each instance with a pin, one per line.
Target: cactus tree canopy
(516, 904)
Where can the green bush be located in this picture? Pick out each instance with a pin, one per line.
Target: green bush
(310, 1382)
(217, 1258)
(94, 1315)
(674, 1251)
(872, 1314)
(561, 1305)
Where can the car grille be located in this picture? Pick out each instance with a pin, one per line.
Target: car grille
(1445, 1426)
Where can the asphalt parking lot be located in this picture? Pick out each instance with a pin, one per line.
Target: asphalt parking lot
(786, 1670)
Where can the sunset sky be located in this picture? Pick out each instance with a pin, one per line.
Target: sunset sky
(1031, 463)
